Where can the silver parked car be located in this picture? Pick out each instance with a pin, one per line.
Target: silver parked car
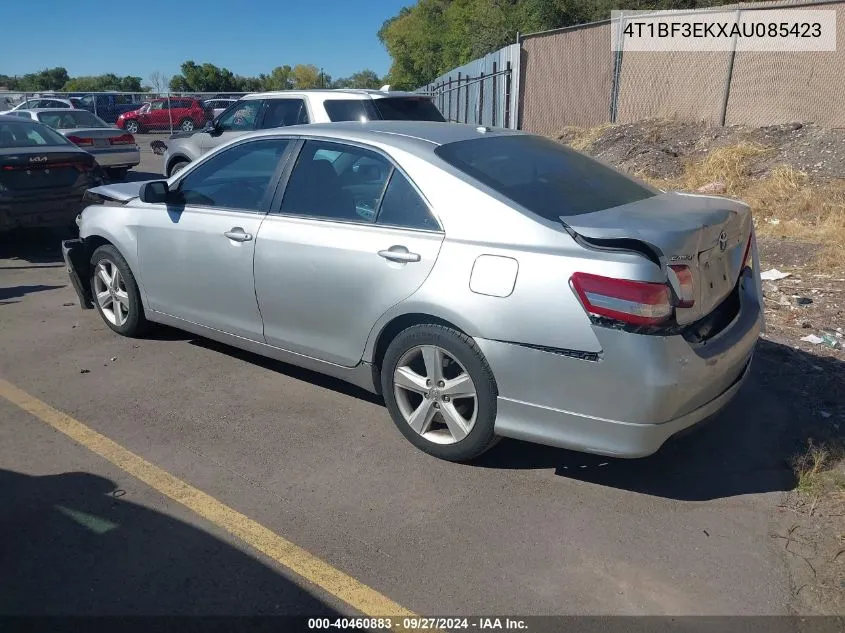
(114, 149)
(487, 282)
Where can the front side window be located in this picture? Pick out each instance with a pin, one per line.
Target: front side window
(29, 105)
(236, 178)
(240, 117)
(349, 187)
(49, 103)
(284, 112)
(157, 105)
(545, 177)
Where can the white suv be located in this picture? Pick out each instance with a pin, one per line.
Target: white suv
(293, 107)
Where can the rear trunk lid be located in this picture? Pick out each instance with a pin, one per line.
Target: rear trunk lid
(30, 169)
(708, 234)
(99, 135)
(118, 192)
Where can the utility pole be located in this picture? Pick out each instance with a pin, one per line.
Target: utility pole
(321, 78)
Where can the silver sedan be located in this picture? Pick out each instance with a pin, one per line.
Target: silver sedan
(486, 282)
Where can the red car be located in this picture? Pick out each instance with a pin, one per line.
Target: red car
(182, 113)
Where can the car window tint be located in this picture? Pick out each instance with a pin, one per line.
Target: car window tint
(347, 188)
(157, 105)
(402, 206)
(55, 104)
(284, 112)
(546, 177)
(241, 117)
(407, 109)
(350, 109)
(236, 178)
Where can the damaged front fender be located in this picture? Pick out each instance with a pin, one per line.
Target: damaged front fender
(76, 262)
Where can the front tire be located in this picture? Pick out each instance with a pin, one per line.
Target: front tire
(176, 167)
(440, 392)
(187, 125)
(132, 126)
(115, 292)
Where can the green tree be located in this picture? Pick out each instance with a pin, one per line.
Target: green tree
(306, 76)
(280, 78)
(203, 78)
(362, 79)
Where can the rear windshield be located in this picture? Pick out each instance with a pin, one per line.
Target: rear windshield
(71, 119)
(18, 133)
(545, 177)
(388, 109)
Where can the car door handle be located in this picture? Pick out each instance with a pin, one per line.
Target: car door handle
(399, 254)
(237, 234)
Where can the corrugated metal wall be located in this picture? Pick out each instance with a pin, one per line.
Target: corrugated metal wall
(483, 91)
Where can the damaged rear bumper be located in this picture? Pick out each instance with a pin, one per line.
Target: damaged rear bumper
(76, 262)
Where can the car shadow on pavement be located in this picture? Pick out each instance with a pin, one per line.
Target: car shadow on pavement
(34, 246)
(71, 544)
(19, 291)
(306, 375)
(140, 176)
(791, 396)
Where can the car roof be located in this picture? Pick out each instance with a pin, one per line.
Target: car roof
(334, 93)
(413, 136)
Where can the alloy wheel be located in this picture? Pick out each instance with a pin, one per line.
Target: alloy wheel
(111, 294)
(435, 394)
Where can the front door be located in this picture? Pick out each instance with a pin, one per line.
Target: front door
(240, 118)
(196, 254)
(352, 237)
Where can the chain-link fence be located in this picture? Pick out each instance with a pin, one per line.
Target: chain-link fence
(138, 112)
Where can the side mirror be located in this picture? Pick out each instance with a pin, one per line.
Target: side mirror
(154, 192)
(210, 127)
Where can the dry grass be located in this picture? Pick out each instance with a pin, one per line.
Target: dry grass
(785, 202)
(821, 469)
(581, 139)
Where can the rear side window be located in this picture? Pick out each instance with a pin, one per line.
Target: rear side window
(284, 112)
(402, 206)
(350, 109)
(407, 109)
(547, 178)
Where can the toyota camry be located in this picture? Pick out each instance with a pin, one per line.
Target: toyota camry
(486, 282)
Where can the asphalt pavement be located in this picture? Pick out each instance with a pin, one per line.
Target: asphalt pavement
(525, 530)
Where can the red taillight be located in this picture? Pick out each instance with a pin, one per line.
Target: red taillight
(745, 258)
(124, 139)
(80, 141)
(634, 302)
(686, 285)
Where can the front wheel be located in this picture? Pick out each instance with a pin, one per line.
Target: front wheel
(440, 392)
(115, 292)
(132, 126)
(187, 125)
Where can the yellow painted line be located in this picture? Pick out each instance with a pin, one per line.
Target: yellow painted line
(356, 594)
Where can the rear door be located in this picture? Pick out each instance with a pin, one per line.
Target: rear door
(339, 249)
(196, 256)
(241, 117)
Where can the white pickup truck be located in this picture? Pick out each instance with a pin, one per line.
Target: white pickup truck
(293, 107)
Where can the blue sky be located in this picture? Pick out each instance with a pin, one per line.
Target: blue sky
(92, 37)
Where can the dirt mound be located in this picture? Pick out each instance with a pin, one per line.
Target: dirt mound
(660, 149)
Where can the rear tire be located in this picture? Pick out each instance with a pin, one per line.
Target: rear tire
(187, 125)
(117, 174)
(414, 390)
(132, 126)
(117, 299)
(176, 167)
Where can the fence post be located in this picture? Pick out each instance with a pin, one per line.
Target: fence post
(449, 92)
(458, 100)
(617, 70)
(170, 114)
(480, 119)
(466, 98)
(508, 83)
(493, 103)
(724, 114)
